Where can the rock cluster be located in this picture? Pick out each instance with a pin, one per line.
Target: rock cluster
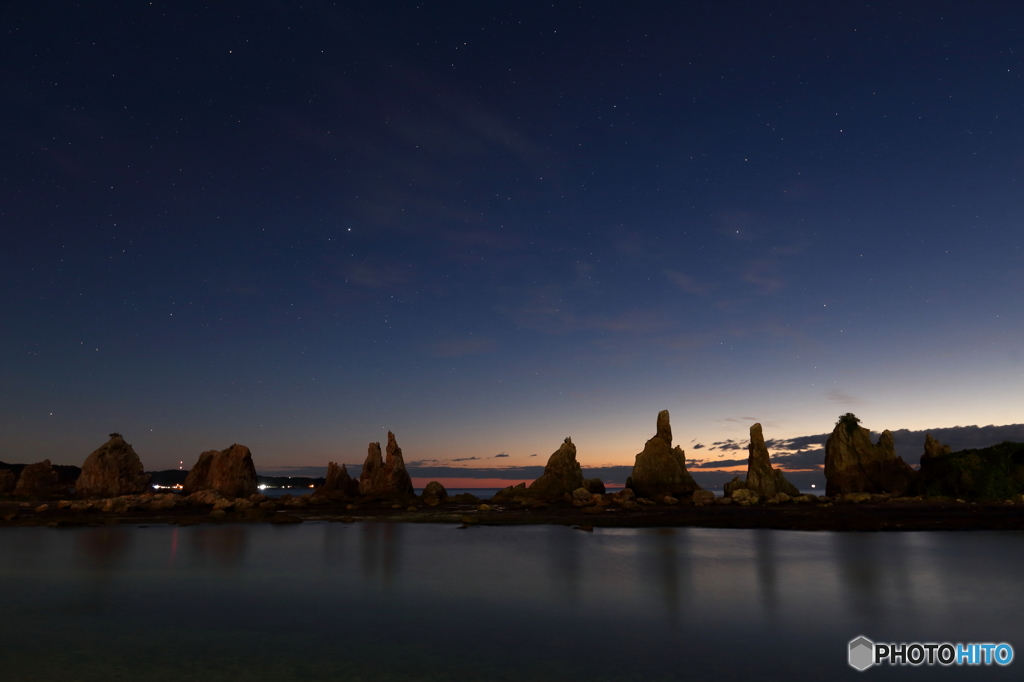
(382, 478)
(229, 472)
(661, 469)
(762, 479)
(38, 480)
(853, 464)
(112, 470)
(339, 482)
(562, 474)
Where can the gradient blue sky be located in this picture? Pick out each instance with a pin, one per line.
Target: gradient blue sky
(487, 226)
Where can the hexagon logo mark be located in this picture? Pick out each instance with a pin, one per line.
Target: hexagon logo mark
(862, 653)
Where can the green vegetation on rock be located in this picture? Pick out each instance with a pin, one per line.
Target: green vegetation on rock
(993, 473)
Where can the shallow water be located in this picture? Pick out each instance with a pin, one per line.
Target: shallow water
(387, 601)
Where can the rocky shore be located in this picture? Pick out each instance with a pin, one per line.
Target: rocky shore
(868, 489)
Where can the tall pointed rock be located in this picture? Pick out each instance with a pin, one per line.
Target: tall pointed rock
(853, 464)
(661, 469)
(385, 478)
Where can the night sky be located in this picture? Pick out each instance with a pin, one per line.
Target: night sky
(486, 226)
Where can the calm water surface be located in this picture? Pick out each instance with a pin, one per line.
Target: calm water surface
(384, 601)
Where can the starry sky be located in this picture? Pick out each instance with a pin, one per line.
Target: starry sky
(488, 226)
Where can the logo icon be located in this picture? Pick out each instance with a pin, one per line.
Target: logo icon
(862, 653)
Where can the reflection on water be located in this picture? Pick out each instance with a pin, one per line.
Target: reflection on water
(394, 601)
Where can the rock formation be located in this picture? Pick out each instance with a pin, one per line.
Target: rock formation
(761, 477)
(993, 473)
(434, 494)
(562, 474)
(229, 472)
(112, 470)
(385, 478)
(8, 479)
(854, 465)
(594, 485)
(933, 448)
(38, 480)
(339, 482)
(661, 469)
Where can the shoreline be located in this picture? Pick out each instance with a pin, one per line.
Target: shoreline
(868, 516)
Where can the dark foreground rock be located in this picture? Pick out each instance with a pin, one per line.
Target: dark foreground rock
(661, 469)
(994, 473)
(229, 472)
(853, 464)
(39, 480)
(382, 478)
(8, 479)
(113, 469)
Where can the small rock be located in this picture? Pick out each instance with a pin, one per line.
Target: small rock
(485, 507)
(9, 517)
(668, 499)
(218, 514)
(581, 494)
(855, 498)
(242, 504)
(223, 504)
(782, 498)
(745, 497)
(723, 500)
(644, 500)
(64, 504)
(630, 504)
(470, 519)
(811, 499)
(42, 508)
(257, 498)
(268, 505)
(410, 508)
(396, 506)
(703, 497)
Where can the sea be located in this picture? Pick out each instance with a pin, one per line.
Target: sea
(371, 601)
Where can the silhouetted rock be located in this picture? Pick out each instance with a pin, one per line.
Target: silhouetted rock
(933, 448)
(594, 485)
(761, 477)
(854, 465)
(8, 479)
(112, 470)
(385, 478)
(339, 482)
(661, 469)
(434, 494)
(229, 472)
(994, 473)
(562, 474)
(38, 480)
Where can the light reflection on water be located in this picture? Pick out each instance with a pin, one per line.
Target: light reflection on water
(381, 601)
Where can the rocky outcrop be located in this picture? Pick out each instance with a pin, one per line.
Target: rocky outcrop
(434, 494)
(853, 464)
(38, 480)
(229, 472)
(933, 448)
(562, 474)
(661, 469)
(339, 482)
(8, 479)
(762, 479)
(594, 485)
(112, 470)
(993, 473)
(382, 478)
